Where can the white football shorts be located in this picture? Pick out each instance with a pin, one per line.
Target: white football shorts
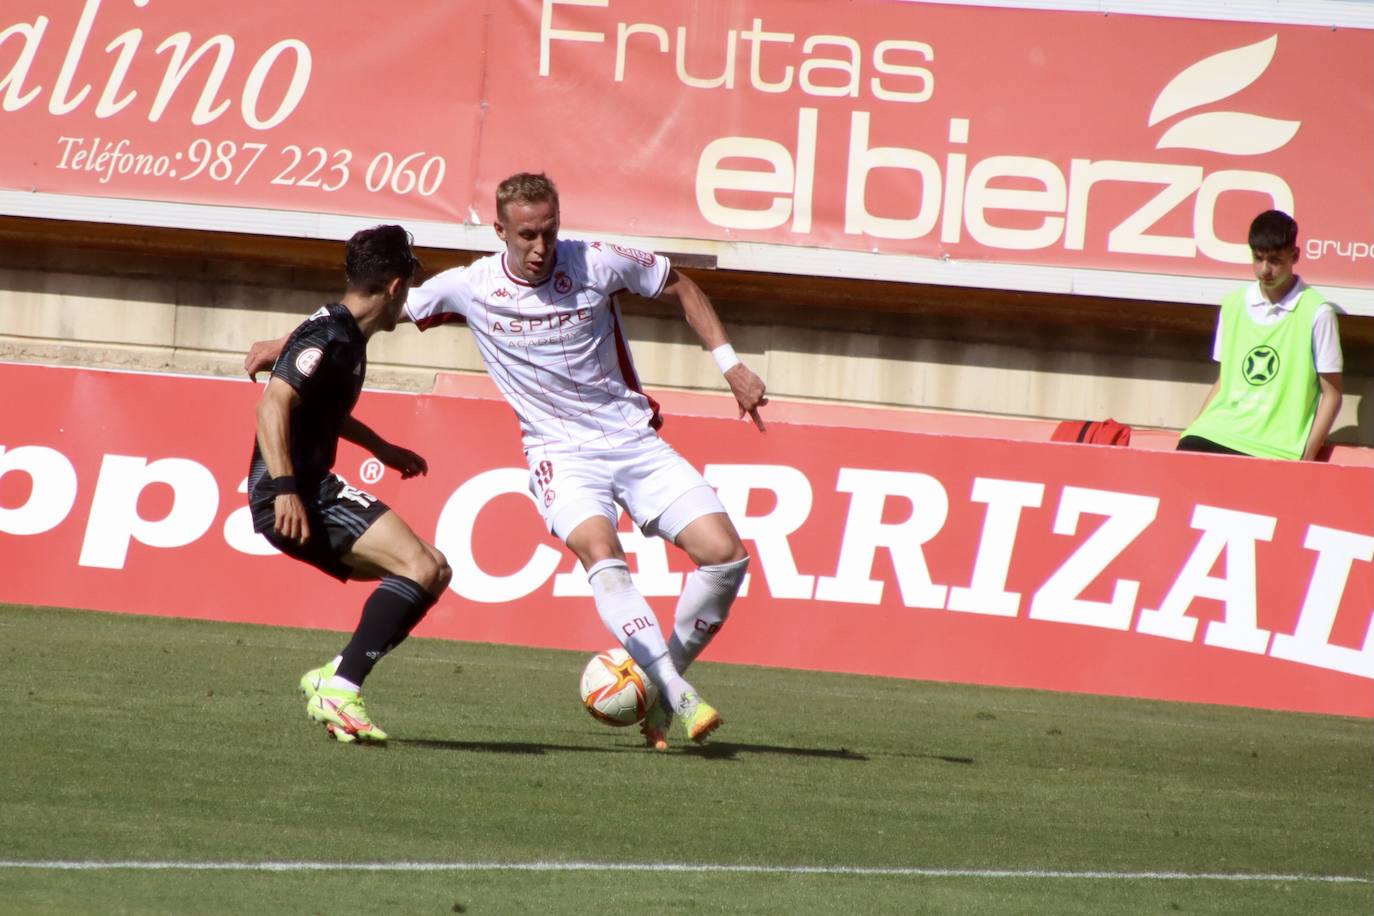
(659, 488)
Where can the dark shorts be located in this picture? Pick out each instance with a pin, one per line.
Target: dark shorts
(1199, 444)
(338, 515)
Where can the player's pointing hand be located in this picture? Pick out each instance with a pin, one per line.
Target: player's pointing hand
(749, 392)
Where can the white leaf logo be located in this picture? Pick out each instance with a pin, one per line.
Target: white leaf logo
(1212, 79)
(1229, 132)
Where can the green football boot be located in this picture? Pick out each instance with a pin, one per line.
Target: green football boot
(655, 726)
(698, 717)
(342, 713)
(312, 679)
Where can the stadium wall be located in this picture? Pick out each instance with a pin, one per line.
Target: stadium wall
(138, 298)
(1048, 565)
(881, 195)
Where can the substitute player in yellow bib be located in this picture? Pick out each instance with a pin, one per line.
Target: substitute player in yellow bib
(1278, 344)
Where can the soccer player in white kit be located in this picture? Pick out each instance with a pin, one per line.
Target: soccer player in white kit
(547, 325)
(550, 332)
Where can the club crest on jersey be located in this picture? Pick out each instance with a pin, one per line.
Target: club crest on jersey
(644, 258)
(308, 361)
(562, 283)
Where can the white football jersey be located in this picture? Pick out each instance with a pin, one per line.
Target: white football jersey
(556, 349)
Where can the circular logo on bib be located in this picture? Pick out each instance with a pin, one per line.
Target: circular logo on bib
(1260, 365)
(308, 361)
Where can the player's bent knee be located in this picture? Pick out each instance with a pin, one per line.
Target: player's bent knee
(594, 541)
(444, 573)
(721, 552)
(711, 540)
(431, 572)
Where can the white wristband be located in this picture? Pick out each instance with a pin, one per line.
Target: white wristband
(725, 358)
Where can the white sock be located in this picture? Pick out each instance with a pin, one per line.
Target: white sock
(702, 608)
(671, 685)
(630, 619)
(338, 683)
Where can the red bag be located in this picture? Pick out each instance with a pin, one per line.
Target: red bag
(1093, 432)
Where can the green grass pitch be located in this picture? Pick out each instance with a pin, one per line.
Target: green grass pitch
(142, 740)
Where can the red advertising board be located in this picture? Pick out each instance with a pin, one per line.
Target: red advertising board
(1025, 136)
(1125, 143)
(1048, 565)
(305, 106)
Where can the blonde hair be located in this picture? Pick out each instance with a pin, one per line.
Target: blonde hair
(524, 188)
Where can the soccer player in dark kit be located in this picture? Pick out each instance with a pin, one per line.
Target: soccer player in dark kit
(308, 512)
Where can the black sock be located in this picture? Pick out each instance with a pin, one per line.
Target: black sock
(389, 615)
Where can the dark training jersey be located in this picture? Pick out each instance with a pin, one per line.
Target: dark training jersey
(325, 361)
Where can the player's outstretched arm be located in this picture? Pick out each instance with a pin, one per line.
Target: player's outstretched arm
(262, 355)
(393, 456)
(274, 441)
(745, 384)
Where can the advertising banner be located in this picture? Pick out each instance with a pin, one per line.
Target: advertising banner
(943, 133)
(305, 106)
(1129, 143)
(1048, 565)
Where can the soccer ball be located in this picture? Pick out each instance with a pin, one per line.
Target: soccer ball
(615, 690)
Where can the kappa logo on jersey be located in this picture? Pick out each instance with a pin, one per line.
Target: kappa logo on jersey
(308, 361)
(644, 258)
(502, 293)
(562, 283)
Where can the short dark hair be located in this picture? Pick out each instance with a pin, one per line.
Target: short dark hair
(1273, 230)
(374, 257)
(525, 188)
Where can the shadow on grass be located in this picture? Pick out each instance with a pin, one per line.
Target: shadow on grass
(717, 750)
(501, 747)
(943, 758)
(725, 750)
